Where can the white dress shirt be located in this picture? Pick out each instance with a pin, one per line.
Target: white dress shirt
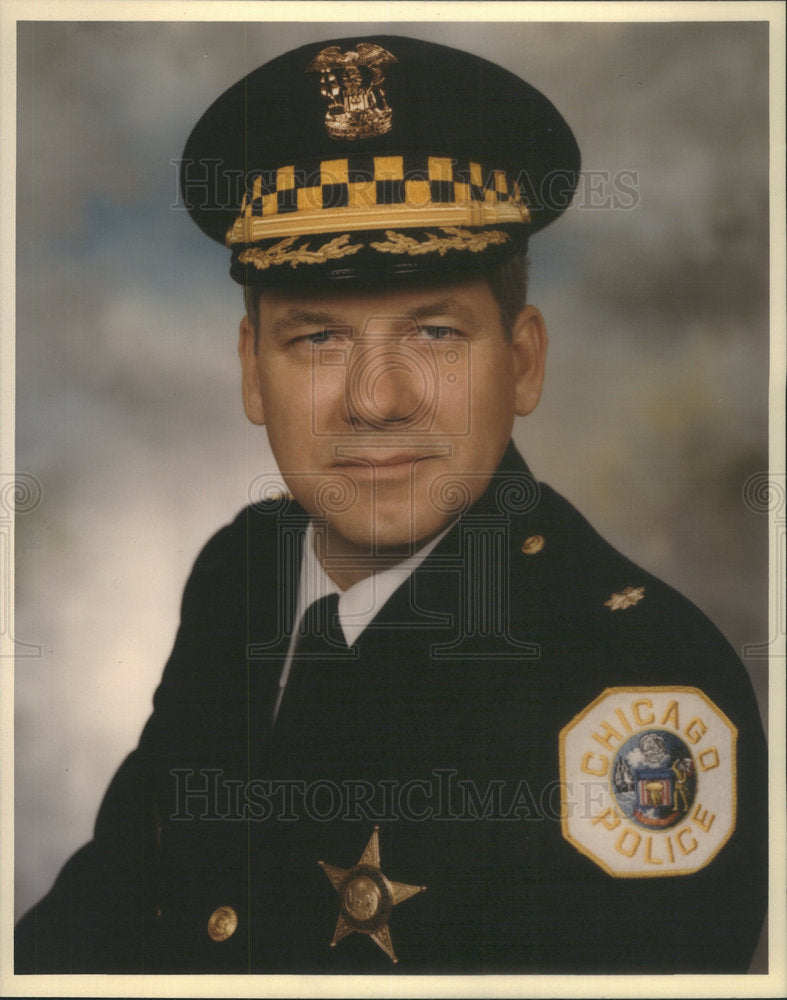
(358, 605)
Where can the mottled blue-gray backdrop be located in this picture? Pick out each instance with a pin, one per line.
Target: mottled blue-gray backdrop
(128, 405)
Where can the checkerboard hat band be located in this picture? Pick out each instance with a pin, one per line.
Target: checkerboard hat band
(375, 193)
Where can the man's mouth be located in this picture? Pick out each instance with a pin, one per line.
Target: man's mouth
(381, 463)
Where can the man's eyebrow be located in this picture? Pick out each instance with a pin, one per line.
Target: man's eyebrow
(306, 317)
(449, 305)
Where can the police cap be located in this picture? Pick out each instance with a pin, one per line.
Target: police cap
(384, 156)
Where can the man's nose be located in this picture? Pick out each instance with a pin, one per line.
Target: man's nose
(390, 384)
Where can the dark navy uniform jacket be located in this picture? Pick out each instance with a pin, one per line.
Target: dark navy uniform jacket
(441, 727)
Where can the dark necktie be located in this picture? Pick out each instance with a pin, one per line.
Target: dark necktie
(320, 651)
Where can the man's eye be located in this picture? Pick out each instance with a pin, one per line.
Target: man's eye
(321, 337)
(439, 332)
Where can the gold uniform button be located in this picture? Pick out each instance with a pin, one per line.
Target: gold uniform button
(222, 923)
(533, 544)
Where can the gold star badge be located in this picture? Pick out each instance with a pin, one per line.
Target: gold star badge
(367, 897)
(625, 599)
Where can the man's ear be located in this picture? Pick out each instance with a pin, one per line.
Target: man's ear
(250, 374)
(529, 348)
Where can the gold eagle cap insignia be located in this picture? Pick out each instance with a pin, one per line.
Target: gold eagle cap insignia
(352, 84)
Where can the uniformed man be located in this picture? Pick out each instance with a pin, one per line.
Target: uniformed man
(421, 679)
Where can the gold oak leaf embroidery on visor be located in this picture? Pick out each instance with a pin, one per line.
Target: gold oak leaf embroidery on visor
(457, 239)
(285, 253)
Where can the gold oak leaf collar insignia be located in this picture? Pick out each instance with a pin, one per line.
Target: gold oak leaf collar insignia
(367, 897)
(627, 598)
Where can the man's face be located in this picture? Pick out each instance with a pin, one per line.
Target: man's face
(388, 412)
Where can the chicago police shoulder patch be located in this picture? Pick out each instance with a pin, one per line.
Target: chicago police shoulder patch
(648, 779)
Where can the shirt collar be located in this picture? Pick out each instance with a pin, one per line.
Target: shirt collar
(360, 603)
